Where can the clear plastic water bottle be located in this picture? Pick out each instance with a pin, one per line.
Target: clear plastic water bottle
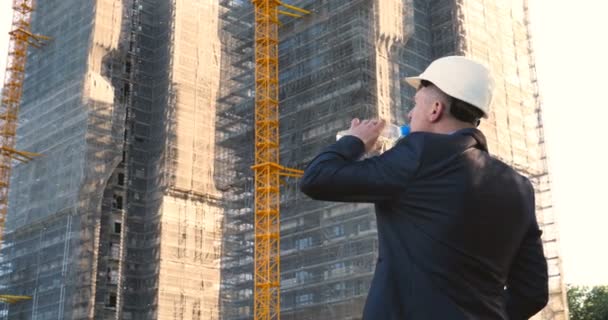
(387, 139)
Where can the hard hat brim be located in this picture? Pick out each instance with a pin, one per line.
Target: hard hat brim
(414, 81)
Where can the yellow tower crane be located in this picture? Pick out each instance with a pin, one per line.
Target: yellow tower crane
(267, 170)
(21, 38)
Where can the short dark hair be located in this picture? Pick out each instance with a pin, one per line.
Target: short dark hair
(459, 109)
(465, 111)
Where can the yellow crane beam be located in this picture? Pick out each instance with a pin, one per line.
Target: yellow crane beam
(267, 171)
(7, 298)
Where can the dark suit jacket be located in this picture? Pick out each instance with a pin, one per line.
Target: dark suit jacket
(458, 236)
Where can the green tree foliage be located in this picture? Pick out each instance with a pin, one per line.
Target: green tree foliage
(588, 303)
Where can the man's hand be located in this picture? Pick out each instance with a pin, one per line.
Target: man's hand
(367, 130)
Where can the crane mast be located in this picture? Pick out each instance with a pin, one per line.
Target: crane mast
(267, 170)
(21, 38)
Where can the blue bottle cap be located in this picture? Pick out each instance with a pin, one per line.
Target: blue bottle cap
(405, 130)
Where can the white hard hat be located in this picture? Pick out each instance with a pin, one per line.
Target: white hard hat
(460, 78)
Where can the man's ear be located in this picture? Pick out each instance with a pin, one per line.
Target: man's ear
(437, 111)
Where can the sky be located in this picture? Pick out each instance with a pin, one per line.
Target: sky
(572, 66)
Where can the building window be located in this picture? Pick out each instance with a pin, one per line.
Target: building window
(339, 287)
(337, 231)
(363, 226)
(112, 276)
(126, 91)
(114, 250)
(304, 299)
(117, 227)
(303, 276)
(360, 287)
(111, 300)
(244, 311)
(121, 179)
(116, 201)
(338, 266)
(304, 243)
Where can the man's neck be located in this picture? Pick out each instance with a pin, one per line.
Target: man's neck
(449, 127)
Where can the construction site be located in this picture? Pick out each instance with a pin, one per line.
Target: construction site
(139, 197)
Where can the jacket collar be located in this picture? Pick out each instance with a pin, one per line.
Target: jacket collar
(478, 136)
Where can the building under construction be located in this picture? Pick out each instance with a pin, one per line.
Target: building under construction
(119, 218)
(141, 204)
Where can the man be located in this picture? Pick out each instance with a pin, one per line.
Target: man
(458, 236)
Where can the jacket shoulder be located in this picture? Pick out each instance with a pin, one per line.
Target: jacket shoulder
(435, 147)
